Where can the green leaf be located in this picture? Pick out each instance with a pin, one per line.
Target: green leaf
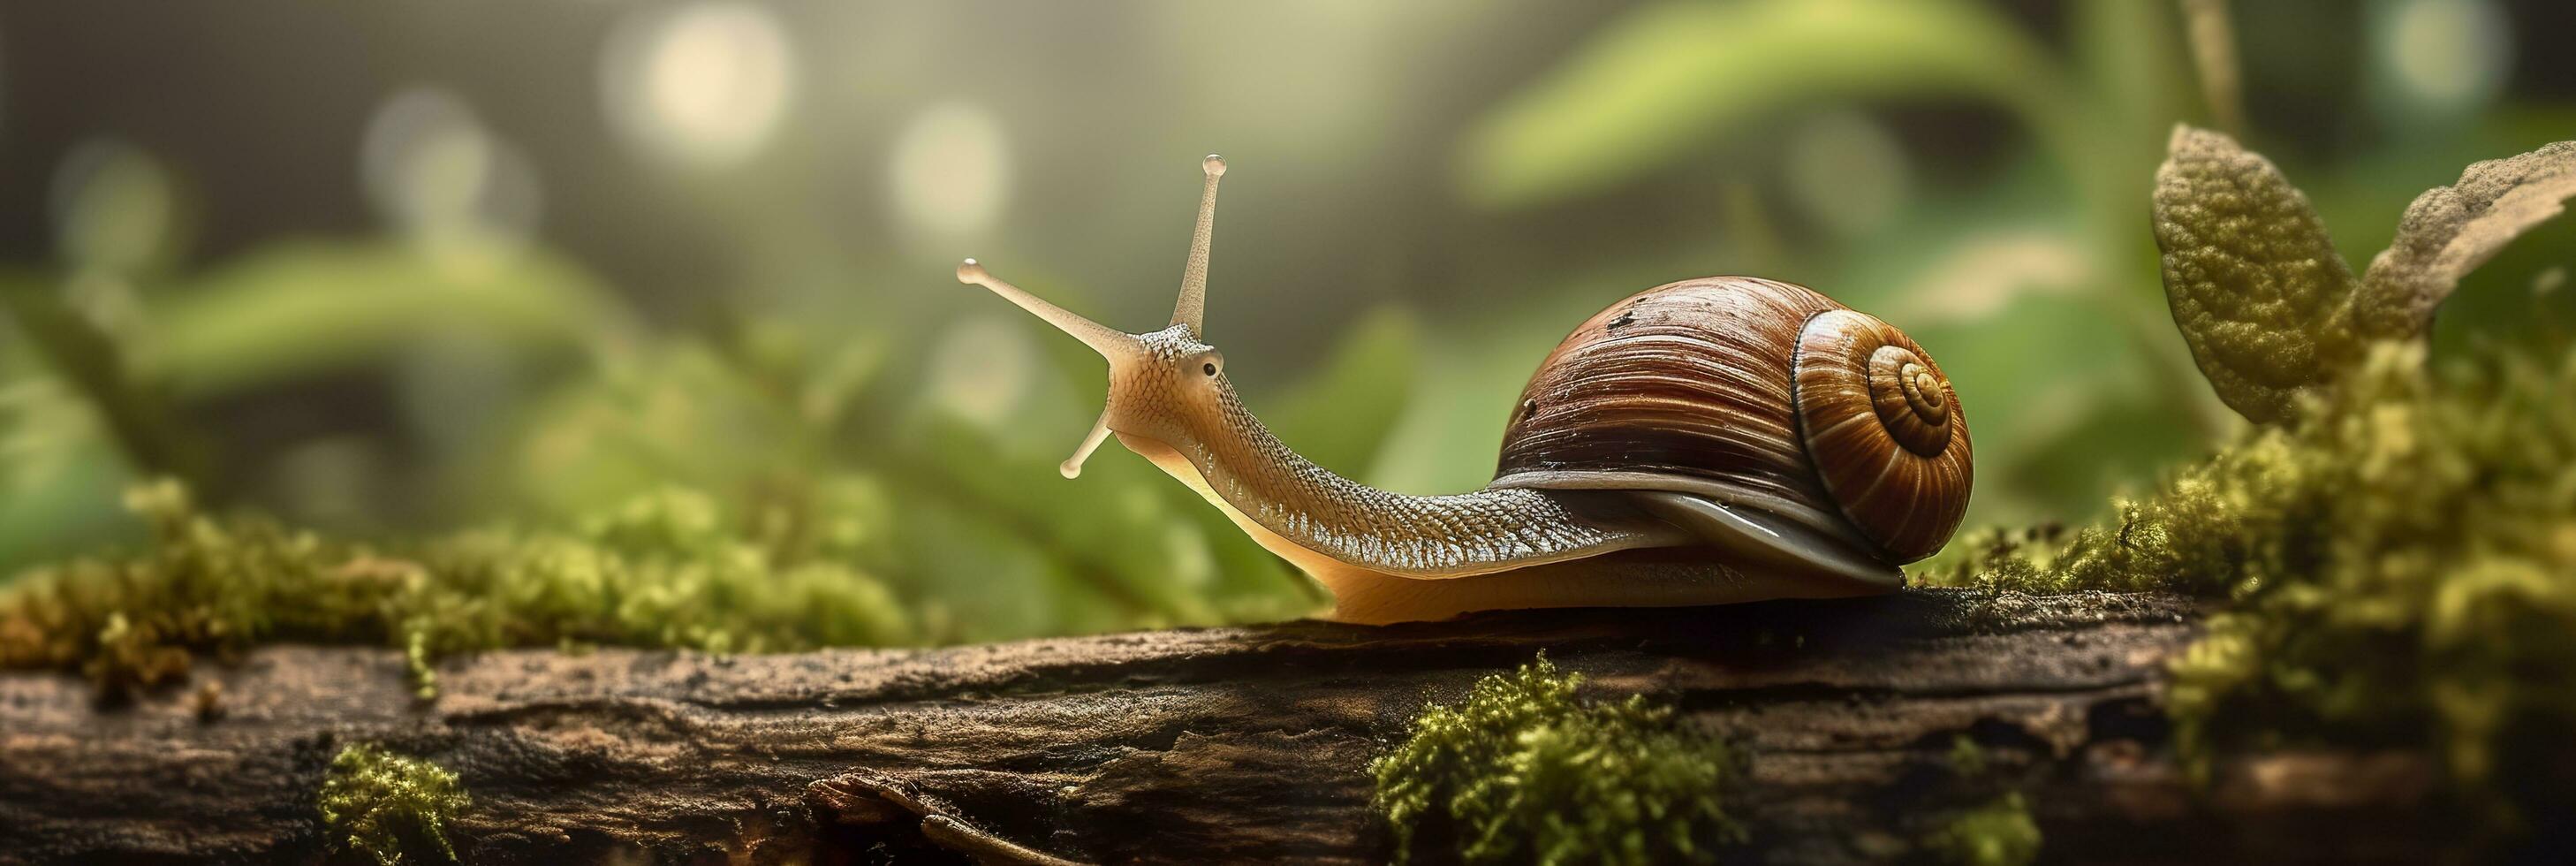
(676, 415)
(297, 309)
(90, 361)
(59, 474)
(1666, 78)
(2450, 231)
(1105, 535)
(2255, 283)
(1472, 373)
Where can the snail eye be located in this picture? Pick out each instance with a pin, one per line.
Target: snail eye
(1209, 367)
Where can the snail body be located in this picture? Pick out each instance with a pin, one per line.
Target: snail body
(1702, 442)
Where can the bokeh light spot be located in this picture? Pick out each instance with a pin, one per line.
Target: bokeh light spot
(702, 85)
(433, 170)
(980, 370)
(2444, 54)
(114, 207)
(951, 169)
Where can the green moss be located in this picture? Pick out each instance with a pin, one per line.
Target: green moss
(1999, 833)
(664, 571)
(375, 802)
(1966, 757)
(2402, 560)
(2395, 461)
(1522, 771)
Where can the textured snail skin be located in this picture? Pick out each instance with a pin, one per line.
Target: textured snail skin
(1209, 440)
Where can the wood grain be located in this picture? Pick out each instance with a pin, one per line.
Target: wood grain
(1192, 745)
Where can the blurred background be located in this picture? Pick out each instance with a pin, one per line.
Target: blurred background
(393, 269)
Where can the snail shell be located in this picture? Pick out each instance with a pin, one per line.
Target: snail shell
(1757, 394)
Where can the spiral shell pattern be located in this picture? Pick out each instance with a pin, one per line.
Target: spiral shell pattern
(1759, 394)
(1884, 430)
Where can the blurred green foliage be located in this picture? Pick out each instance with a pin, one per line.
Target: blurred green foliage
(1662, 81)
(349, 304)
(1400, 250)
(1999, 833)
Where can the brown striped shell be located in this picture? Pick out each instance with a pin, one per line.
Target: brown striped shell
(1759, 394)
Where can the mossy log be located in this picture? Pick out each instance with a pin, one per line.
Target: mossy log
(1191, 745)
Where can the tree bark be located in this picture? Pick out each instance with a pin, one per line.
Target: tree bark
(1190, 745)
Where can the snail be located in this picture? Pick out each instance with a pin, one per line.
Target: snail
(1708, 441)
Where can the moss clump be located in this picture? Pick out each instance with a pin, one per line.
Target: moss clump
(375, 801)
(2199, 535)
(2403, 562)
(2395, 460)
(664, 571)
(1967, 758)
(1523, 772)
(1999, 833)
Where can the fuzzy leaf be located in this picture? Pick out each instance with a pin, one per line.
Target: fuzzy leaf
(2254, 281)
(2450, 231)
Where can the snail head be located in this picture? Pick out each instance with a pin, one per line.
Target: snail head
(1159, 382)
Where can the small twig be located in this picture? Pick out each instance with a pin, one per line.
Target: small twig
(866, 797)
